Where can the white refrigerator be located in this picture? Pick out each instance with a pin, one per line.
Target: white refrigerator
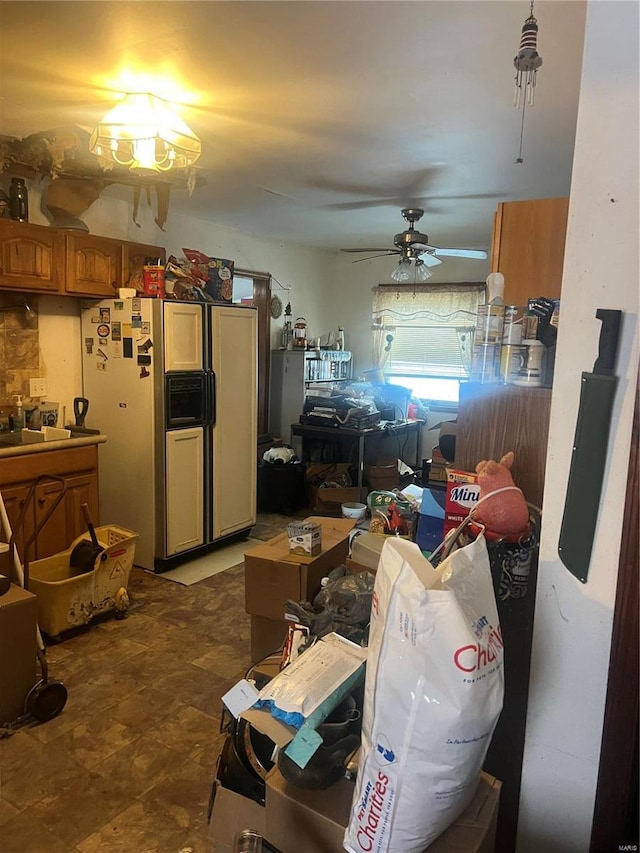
(173, 386)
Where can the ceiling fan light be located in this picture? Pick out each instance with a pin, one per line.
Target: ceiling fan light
(402, 273)
(422, 270)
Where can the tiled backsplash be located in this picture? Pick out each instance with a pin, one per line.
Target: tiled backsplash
(19, 348)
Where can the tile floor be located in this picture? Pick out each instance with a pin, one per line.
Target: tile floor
(129, 763)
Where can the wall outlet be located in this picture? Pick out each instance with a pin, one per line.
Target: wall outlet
(37, 387)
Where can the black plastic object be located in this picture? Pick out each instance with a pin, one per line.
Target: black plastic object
(325, 767)
(281, 487)
(80, 409)
(5, 584)
(46, 699)
(340, 734)
(234, 775)
(84, 555)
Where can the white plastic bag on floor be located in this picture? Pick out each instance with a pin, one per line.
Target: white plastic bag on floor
(434, 691)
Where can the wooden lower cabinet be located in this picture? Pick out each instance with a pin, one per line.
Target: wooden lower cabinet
(14, 498)
(493, 419)
(67, 520)
(78, 468)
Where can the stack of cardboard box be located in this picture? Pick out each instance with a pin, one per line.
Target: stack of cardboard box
(294, 820)
(274, 576)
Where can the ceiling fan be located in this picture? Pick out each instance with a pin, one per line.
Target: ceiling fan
(414, 246)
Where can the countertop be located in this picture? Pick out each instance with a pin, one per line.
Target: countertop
(47, 446)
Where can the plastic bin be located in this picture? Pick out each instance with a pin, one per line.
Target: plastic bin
(66, 600)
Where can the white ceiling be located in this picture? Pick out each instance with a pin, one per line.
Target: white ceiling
(319, 121)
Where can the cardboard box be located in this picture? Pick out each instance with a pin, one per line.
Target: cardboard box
(463, 492)
(267, 635)
(220, 283)
(328, 499)
(18, 662)
(439, 466)
(273, 575)
(315, 821)
(232, 813)
(356, 568)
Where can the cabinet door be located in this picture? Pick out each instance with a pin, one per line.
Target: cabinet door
(67, 521)
(94, 265)
(185, 489)
(14, 498)
(31, 257)
(528, 248)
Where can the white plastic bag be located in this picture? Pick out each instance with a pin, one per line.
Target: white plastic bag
(434, 691)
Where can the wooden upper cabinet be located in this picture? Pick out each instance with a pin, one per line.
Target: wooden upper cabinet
(31, 257)
(46, 259)
(528, 247)
(94, 265)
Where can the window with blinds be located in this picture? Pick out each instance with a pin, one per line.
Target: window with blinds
(423, 335)
(438, 352)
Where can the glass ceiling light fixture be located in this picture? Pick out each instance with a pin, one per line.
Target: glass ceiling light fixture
(526, 62)
(405, 272)
(144, 133)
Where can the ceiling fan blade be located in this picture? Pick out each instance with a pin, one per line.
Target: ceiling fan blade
(430, 260)
(378, 249)
(477, 254)
(371, 257)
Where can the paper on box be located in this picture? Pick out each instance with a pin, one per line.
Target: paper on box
(313, 685)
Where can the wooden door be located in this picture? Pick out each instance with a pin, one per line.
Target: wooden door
(261, 301)
(31, 257)
(615, 816)
(94, 265)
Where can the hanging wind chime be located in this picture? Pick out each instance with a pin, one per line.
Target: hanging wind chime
(526, 64)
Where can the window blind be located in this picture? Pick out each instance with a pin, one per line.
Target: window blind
(431, 325)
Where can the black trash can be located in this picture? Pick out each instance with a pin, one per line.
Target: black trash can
(281, 487)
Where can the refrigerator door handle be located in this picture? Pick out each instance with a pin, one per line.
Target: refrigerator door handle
(212, 398)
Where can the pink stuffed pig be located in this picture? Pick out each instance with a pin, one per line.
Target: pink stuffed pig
(504, 513)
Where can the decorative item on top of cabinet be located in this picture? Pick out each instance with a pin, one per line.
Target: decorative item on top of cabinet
(135, 255)
(528, 247)
(31, 257)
